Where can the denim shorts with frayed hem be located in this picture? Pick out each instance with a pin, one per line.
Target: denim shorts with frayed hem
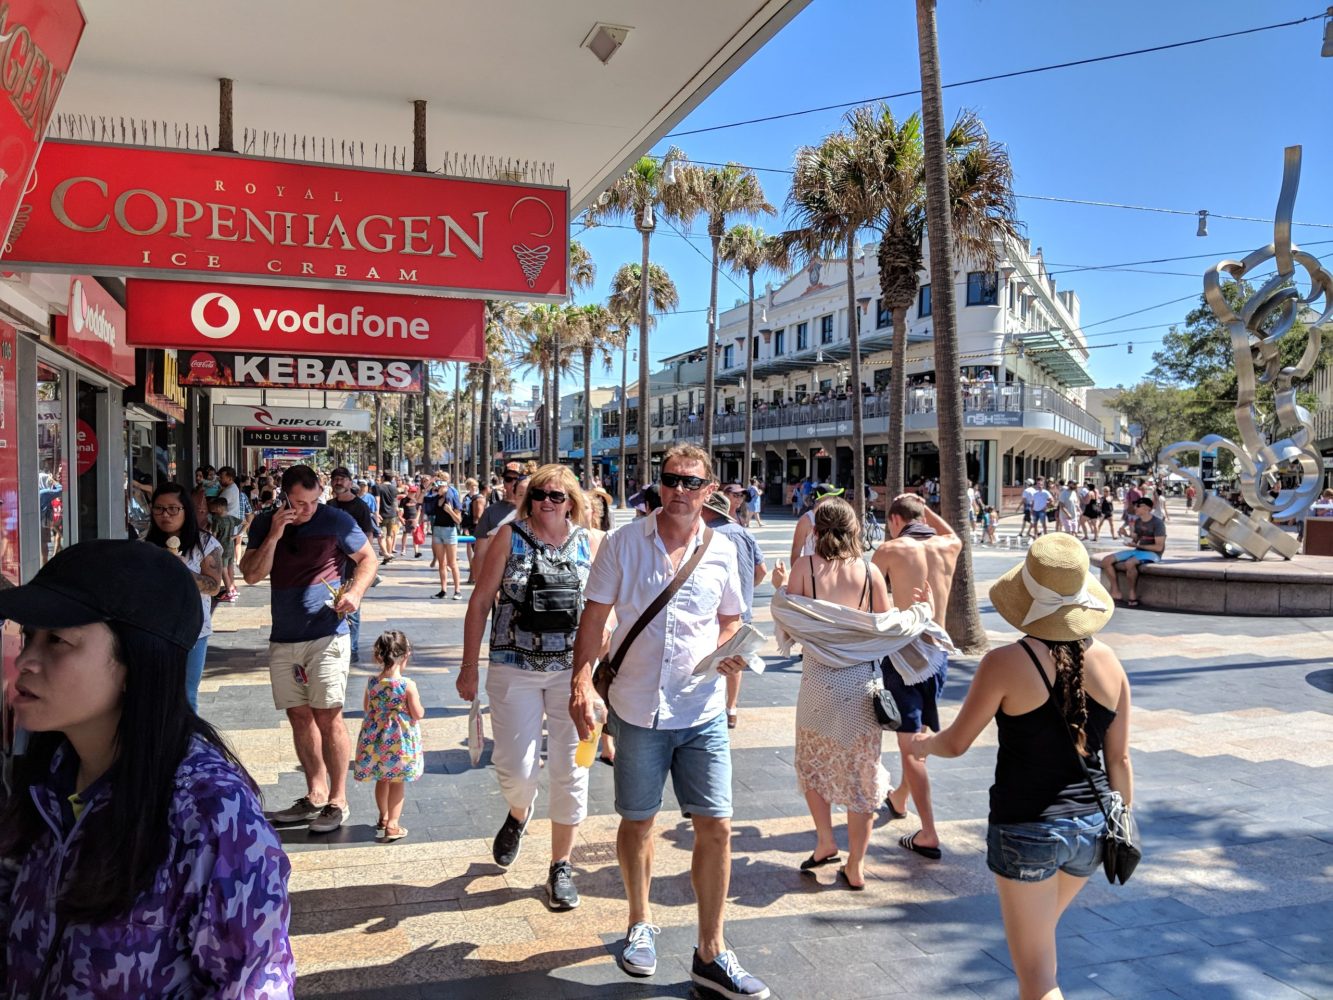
(697, 758)
(1033, 852)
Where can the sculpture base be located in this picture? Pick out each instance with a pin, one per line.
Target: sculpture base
(1210, 584)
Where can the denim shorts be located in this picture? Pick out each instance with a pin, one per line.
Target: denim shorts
(698, 760)
(444, 535)
(1033, 852)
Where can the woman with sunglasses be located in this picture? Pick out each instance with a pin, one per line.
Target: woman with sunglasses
(528, 674)
(173, 522)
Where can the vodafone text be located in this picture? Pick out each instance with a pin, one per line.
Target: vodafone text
(353, 323)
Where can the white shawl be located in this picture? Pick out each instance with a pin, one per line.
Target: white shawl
(843, 637)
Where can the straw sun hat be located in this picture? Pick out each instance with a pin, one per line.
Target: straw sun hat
(1050, 594)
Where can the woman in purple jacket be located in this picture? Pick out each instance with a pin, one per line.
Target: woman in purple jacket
(135, 859)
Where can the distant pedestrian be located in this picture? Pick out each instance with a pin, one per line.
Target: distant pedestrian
(173, 521)
(388, 748)
(137, 861)
(803, 539)
(344, 499)
(408, 511)
(1025, 503)
(1042, 501)
(755, 499)
(1054, 694)
(1147, 543)
(223, 526)
(387, 492)
(447, 515)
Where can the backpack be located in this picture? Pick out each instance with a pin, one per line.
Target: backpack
(469, 522)
(553, 598)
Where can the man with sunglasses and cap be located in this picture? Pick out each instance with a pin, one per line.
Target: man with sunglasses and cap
(803, 541)
(497, 510)
(665, 717)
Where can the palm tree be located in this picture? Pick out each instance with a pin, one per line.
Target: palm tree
(628, 290)
(500, 335)
(594, 334)
(649, 188)
(981, 169)
(719, 192)
(748, 249)
(582, 274)
(826, 201)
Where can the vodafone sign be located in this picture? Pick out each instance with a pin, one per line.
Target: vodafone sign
(221, 216)
(94, 329)
(301, 321)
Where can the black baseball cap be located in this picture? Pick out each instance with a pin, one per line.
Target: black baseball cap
(106, 580)
(342, 470)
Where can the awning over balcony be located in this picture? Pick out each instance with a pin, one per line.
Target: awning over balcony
(804, 361)
(1054, 351)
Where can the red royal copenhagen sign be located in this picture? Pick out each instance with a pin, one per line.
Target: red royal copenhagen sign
(302, 321)
(37, 43)
(95, 329)
(226, 217)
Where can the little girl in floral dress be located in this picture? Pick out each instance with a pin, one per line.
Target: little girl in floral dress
(388, 751)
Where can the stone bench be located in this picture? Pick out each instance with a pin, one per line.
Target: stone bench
(1211, 584)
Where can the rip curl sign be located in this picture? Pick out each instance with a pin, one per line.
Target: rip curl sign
(287, 321)
(223, 217)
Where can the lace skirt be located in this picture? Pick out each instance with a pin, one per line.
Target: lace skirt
(839, 745)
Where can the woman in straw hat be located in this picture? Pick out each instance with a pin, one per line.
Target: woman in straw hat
(1053, 689)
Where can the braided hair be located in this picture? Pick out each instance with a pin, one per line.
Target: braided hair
(1073, 700)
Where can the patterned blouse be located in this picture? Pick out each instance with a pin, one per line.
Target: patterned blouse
(511, 645)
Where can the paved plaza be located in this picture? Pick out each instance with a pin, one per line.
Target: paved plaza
(1233, 758)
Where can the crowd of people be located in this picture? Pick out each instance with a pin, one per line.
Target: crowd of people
(172, 880)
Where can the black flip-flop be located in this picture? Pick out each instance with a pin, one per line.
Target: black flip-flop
(888, 804)
(813, 862)
(909, 841)
(608, 761)
(842, 877)
(1131, 604)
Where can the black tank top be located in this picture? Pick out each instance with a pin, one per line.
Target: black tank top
(1037, 776)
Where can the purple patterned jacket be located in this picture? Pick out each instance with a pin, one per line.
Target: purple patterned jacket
(213, 925)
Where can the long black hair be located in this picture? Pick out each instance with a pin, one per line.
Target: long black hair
(126, 841)
(191, 535)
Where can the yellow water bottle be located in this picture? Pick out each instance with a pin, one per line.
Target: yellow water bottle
(587, 749)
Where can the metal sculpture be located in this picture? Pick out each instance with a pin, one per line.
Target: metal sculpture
(1256, 335)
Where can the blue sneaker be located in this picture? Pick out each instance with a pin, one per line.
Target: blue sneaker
(639, 956)
(724, 976)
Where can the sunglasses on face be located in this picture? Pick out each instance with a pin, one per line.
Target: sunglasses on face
(167, 511)
(511, 478)
(678, 482)
(555, 496)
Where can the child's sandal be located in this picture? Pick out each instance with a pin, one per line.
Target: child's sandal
(394, 833)
(380, 825)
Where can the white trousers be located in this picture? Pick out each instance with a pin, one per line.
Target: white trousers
(519, 699)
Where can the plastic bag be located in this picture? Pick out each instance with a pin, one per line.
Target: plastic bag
(476, 732)
(419, 534)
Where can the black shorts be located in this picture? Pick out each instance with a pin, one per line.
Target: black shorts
(918, 704)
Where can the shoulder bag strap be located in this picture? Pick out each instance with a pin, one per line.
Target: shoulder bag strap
(660, 602)
(1068, 732)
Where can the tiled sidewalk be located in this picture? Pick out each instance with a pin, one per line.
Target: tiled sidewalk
(1233, 755)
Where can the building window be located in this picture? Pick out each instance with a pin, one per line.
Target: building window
(826, 329)
(728, 357)
(802, 336)
(923, 302)
(778, 337)
(883, 315)
(754, 348)
(826, 385)
(983, 288)
(1023, 307)
(800, 391)
(1013, 304)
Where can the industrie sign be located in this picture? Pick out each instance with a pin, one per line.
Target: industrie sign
(224, 217)
(185, 314)
(276, 371)
(37, 43)
(234, 415)
(265, 437)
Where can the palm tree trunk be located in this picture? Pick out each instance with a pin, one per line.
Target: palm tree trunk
(458, 437)
(897, 407)
(474, 469)
(710, 400)
(587, 415)
(487, 442)
(555, 395)
(624, 415)
(645, 444)
(858, 425)
(379, 434)
(426, 442)
(749, 389)
(963, 615)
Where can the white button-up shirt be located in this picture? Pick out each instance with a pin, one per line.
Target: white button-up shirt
(656, 687)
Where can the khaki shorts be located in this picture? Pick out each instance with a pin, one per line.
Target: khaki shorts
(323, 663)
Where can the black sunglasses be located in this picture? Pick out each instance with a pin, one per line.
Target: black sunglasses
(513, 477)
(678, 482)
(555, 496)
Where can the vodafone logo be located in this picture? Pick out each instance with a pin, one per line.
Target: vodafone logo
(84, 316)
(211, 330)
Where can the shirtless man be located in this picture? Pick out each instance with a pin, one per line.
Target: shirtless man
(922, 549)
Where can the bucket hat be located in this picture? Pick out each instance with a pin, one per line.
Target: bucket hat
(717, 504)
(1050, 595)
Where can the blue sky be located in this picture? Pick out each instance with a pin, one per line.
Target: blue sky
(1198, 127)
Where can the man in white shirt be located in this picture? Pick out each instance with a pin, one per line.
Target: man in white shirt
(1026, 503)
(230, 491)
(665, 718)
(1041, 502)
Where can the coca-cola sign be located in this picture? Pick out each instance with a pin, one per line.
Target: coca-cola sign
(299, 320)
(94, 329)
(286, 371)
(226, 217)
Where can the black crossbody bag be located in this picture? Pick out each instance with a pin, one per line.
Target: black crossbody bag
(1120, 850)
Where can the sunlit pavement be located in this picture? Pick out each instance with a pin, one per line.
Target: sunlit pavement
(1233, 757)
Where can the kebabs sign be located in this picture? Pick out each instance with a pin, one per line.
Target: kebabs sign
(302, 321)
(194, 214)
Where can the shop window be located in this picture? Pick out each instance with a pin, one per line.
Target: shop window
(802, 336)
(983, 288)
(923, 302)
(52, 462)
(779, 337)
(826, 329)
